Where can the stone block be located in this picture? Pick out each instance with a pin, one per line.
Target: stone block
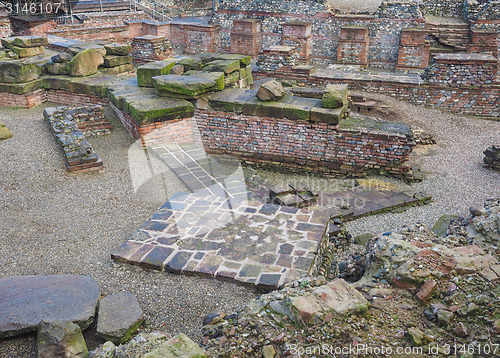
(226, 66)
(218, 77)
(31, 41)
(118, 49)
(60, 339)
(24, 52)
(57, 68)
(85, 63)
(19, 71)
(327, 115)
(115, 60)
(335, 96)
(149, 109)
(145, 73)
(118, 69)
(182, 86)
(191, 63)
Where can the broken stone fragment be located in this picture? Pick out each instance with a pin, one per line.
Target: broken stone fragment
(178, 346)
(75, 49)
(177, 70)
(85, 63)
(335, 96)
(270, 91)
(61, 57)
(4, 132)
(61, 340)
(119, 317)
(427, 290)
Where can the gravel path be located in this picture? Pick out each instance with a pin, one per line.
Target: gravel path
(55, 223)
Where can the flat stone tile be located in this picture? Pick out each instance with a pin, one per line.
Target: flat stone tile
(156, 257)
(122, 253)
(178, 261)
(136, 258)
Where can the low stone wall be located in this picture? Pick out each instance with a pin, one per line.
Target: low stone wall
(90, 119)
(79, 154)
(319, 147)
(71, 98)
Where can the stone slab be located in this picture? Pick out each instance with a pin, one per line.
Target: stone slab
(25, 301)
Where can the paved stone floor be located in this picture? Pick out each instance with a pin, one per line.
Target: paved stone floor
(226, 227)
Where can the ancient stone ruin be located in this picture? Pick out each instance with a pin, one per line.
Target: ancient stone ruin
(295, 151)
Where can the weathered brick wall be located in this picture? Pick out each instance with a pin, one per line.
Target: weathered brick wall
(446, 8)
(194, 38)
(72, 99)
(353, 46)
(459, 70)
(282, 58)
(117, 33)
(414, 49)
(23, 27)
(27, 100)
(150, 48)
(174, 131)
(315, 146)
(5, 26)
(384, 26)
(90, 119)
(299, 35)
(246, 37)
(484, 41)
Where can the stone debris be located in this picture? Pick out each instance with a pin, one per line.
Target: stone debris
(78, 152)
(492, 157)
(4, 132)
(29, 300)
(119, 317)
(270, 91)
(60, 340)
(85, 62)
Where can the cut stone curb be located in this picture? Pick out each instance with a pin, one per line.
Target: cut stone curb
(119, 317)
(61, 340)
(28, 300)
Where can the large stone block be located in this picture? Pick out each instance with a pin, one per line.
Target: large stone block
(85, 63)
(19, 71)
(119, 317)
(150, 108)
(31, 41)
(226, 66)
(191, 63)
(118, 69)
(114, 60)
(182, 86)
(335, 96)
(75, 49)
(328, 115)
(118, 49)
(57, 68)
(23, 52)
(7, 42)
(218, 77)
(28, 300)
(145, 73)
(21, 88)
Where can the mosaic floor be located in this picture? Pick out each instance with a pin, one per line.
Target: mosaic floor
(226, 228)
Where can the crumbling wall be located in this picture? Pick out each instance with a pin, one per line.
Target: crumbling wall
(445, 8)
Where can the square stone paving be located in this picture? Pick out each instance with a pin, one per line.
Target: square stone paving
(236, 237)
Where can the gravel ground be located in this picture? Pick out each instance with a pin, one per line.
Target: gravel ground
(55, 223)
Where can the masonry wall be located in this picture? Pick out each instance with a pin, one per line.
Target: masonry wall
(115, 33)
(5, 26)
(384, 27)
(446, 8)
(316, 146)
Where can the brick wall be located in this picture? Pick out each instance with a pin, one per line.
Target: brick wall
(174, 131)
(296, 144)
(445, 8)
(27, 100)
(25, 26)
(484, 41)
(353, 46)
(414, 49)
(281, 58)
(5, 26)
(194, 38)
(298, 34)
(460, 70)
(246, 37)
(150, 48)
(72, 99)
(118, 33)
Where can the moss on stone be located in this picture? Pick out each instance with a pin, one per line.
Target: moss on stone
(145, 73)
